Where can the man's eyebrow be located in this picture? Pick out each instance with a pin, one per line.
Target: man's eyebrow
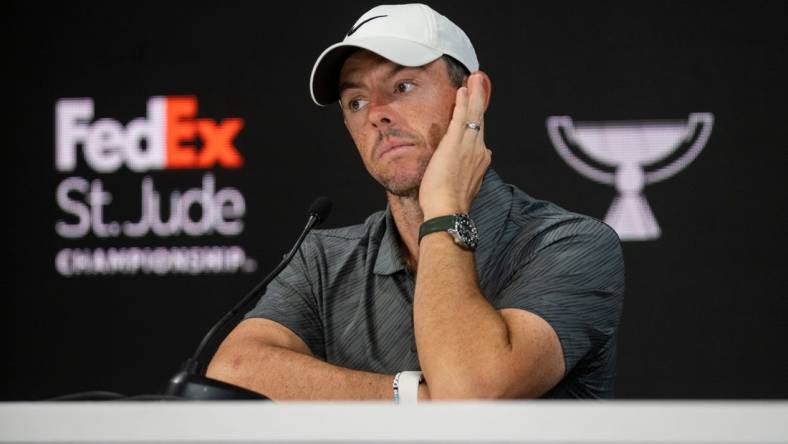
(347, 85)
(394, 70)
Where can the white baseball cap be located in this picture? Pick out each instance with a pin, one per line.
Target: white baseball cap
(409, 35)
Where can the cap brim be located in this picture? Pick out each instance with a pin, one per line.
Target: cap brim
(324, 81)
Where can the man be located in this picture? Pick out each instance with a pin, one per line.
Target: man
(465, 287)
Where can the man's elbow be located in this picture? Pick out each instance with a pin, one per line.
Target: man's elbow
(466, 387)
(459, 393)
(490, 382)
(225, 365)
(236, 360)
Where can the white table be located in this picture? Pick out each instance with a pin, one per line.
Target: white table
(499, 421)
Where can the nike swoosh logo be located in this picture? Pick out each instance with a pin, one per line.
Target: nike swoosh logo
(355, 28)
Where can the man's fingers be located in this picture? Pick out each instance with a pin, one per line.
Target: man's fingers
(460, 109)
(475, 111)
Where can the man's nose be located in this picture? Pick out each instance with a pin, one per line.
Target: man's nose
(381, 115)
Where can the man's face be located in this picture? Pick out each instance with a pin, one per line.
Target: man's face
(396, 115)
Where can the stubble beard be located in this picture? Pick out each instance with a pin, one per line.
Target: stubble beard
(406, 183)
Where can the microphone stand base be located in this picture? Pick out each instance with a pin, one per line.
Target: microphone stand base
(191, 386)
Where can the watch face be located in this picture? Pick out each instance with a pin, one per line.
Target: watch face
(464, 231)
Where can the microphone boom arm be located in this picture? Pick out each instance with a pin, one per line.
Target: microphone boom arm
(190, 382)
(253, 292)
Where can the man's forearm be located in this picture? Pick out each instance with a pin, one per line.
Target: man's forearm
(283, 374)
(461, 339)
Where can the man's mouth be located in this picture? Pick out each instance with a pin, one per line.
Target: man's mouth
(394, 145)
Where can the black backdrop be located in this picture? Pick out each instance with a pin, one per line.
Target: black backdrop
(705, 306)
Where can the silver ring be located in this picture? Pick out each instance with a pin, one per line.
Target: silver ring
(473, 126)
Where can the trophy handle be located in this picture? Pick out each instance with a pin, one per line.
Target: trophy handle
(698, 131)
(561, 131)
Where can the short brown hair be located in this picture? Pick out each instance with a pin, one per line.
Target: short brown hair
(457, 71)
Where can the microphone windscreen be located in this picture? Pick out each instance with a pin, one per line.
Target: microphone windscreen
(320, 208)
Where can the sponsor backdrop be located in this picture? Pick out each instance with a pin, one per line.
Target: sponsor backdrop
(163, 156)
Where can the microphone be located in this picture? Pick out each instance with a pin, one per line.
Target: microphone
(320, 208)
(190, 382)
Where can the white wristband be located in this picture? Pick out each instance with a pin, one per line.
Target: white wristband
(406, 387)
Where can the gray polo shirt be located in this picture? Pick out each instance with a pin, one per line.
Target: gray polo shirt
(348, 295)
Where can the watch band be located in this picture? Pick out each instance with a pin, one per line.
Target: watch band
(440, 223)
(406, 387)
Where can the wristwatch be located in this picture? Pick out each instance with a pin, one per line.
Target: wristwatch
(459, 225)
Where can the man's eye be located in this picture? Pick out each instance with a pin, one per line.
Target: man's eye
(356, 104)
(404, 87)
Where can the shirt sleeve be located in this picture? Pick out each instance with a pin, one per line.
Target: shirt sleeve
(572, 276)
(291, 300)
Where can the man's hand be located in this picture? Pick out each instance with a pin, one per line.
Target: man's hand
(454, 174)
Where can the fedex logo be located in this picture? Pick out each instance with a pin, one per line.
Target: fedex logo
(167, 138)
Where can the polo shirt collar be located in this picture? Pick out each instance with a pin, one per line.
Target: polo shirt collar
(489, 211)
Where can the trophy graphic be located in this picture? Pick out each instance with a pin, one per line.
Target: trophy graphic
(630, 155)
